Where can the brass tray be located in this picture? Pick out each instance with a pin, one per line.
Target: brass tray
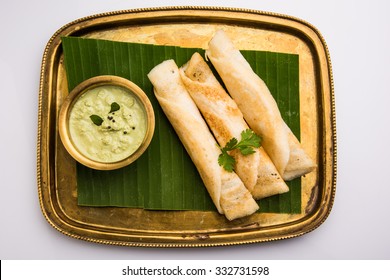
(189, 27)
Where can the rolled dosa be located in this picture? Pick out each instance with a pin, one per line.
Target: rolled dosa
(227, 191)
(226, 121)
(259, 108)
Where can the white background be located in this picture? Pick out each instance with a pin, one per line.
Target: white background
(358, 36)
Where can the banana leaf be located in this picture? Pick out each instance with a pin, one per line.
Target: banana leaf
(164, 177)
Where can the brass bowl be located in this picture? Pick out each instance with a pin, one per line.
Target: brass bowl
(73, 97)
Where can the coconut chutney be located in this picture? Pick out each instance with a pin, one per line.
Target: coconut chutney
(121, 127)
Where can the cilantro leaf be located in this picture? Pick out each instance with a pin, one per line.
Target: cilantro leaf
(249, 141)
(227, 161)
(246, 150)
(231, 144)
(249, 138)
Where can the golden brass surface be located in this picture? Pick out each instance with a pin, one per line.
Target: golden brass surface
(189, 27)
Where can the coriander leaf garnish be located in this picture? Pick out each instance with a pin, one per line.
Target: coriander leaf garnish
(114, 107)
(96, 120)
(231, 144)
(226, 160)
(249, 141)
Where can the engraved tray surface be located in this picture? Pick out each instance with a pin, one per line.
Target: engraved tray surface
(189, 27)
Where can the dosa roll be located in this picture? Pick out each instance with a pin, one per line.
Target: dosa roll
(258, 107)
(225, 120)
(227, 191)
